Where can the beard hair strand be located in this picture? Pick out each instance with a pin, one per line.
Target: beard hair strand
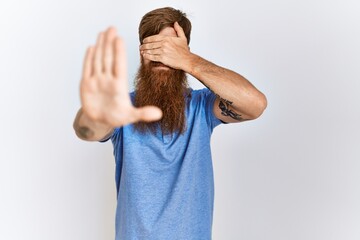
(167, 89)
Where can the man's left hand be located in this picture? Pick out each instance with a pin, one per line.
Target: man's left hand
(171, 51)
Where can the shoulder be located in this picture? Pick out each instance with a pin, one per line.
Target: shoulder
(201, 91)
(201, 94)
(202, 101)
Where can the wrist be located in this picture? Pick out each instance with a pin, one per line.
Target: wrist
(190, 63)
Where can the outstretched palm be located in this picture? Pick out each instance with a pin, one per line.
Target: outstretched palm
(104, 87)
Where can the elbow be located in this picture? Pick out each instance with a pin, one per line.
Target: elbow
(259, 106)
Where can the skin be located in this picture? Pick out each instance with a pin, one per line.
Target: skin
(104, 90)
(238, 96)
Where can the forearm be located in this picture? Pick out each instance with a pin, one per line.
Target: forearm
(233, 89)
(89, 130)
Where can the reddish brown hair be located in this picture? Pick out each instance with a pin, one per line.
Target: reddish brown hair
(166, 89)
(156, 20)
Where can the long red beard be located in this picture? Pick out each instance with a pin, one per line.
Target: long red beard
(166, 89)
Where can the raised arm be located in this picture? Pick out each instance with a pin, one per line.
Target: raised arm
(104, 92)
(237, 99)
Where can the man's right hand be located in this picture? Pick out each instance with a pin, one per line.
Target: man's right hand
(104, 86)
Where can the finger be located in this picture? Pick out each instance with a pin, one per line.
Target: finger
(179, 30)
(152, 57)
(87, 68)
(120, 66)
(98, 54)
(156, 51)
(150, 45)
(148, 113)
(108, 56)
(154, 38)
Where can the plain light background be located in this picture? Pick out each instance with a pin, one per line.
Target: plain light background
(291, 174)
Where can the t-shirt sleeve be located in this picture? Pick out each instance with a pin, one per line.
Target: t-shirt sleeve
(209, 98)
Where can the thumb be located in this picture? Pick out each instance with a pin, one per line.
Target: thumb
(149, 113)
(179, 30)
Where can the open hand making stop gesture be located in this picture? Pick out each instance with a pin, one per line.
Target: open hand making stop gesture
(104, 85)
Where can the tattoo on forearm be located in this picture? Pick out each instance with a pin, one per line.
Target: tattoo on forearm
(227, 102)
(85, 132)
(224, 106)
(82, 131)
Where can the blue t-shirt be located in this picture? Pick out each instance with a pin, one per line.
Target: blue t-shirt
(165, 184)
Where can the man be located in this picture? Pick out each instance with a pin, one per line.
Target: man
(161, 132)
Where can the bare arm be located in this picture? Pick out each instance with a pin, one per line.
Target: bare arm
(104, 93)
(237, 99)
(89, 130)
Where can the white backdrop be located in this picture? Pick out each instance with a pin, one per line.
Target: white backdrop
(292, 174)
